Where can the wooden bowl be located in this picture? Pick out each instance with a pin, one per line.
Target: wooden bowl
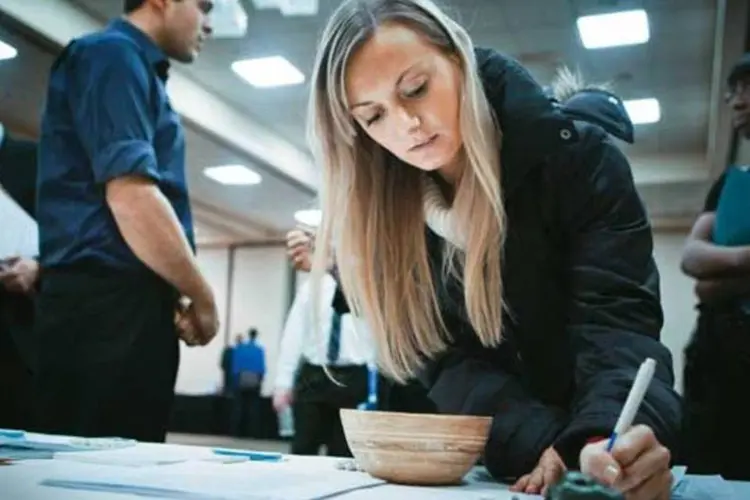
(415, 449)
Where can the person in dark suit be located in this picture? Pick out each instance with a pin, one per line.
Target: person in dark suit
(18, 278)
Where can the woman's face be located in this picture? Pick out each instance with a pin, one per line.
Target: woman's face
(405, 93)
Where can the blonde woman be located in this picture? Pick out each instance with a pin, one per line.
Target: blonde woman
(496, 249)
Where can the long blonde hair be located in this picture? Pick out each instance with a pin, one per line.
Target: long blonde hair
(373, 218)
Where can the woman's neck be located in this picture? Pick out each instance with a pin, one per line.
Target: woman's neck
(449, 177)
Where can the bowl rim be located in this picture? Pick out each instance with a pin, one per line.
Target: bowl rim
(417, 416)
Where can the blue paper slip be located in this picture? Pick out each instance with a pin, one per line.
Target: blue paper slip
(128, 489)
(256, 456)
(12, 434)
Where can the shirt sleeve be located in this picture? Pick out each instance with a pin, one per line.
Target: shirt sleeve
(614, 316)
(292, 339)
(110, 89)
(460, 382)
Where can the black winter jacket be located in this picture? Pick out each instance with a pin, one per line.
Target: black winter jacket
(581, 287)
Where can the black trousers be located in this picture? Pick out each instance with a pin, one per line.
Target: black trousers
(108, 354)
(246, 413)
(316, 404)
(15, 389)
(716, 405)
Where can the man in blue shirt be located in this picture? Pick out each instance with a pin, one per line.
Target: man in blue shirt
(248, 370)
(120, 281)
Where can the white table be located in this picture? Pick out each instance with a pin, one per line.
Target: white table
(190, 468)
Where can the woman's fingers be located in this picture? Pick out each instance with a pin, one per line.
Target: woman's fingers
(653, 462)
(521, 484)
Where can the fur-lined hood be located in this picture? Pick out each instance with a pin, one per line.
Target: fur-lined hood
(592, 103)
(534, 125)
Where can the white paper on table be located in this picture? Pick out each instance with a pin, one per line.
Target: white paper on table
(241, 481)
(52, 443)
(20, 234)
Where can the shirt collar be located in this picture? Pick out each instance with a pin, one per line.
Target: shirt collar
(154, 54)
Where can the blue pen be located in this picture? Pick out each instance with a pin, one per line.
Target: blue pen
(635, 398)
(255, 456)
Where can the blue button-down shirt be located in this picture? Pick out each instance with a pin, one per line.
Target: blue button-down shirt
(107, 116)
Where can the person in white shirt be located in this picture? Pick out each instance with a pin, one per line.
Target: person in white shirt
(340, 342)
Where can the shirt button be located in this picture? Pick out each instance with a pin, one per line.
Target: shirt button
(565, 134)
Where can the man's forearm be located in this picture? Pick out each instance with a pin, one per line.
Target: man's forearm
(704, 260)
(151, 229)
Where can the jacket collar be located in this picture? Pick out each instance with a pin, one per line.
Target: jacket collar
(532, 127)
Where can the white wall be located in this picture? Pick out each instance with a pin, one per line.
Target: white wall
(743, 152)
(19, 231)
(260, 297)
(677, 297)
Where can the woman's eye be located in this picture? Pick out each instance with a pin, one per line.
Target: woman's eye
(372, 119)
(418, 91)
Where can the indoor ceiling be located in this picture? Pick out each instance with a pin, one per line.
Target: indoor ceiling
(541, 33)
(669, 157)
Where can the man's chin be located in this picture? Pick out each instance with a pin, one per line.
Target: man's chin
(186, 57)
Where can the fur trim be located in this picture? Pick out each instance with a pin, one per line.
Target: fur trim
(567, 83)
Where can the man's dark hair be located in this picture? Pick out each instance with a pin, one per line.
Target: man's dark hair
(131, 5)
(253, 333)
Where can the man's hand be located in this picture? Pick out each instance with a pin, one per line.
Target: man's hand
(186, 330)
(197, 323)
(19, 275)
(282, 399)
(548, 471)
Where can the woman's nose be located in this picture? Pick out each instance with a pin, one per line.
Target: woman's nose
(410, 121)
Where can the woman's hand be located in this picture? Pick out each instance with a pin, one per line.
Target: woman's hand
(638, 465)
(547, 472)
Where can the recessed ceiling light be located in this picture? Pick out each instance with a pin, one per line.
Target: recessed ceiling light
(309, 217)
(273, 71)
(228, 19)
(610, 30)
(233, 175)
(7, 51)
(642, 111)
